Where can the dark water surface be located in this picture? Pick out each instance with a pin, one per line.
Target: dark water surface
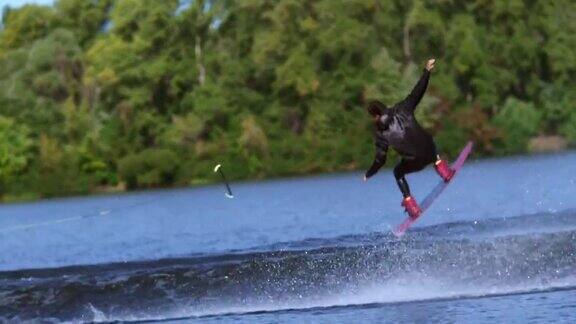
(499, 244)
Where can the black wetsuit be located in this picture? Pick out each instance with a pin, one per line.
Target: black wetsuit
(397, 127)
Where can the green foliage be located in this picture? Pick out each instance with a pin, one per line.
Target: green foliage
(253, 138)
(149, 168)
(15, 148)
(139, 92)
(25, 25)
(56, 171)
(519, 121)
(184, 130)
(38, 78)
(84, 18)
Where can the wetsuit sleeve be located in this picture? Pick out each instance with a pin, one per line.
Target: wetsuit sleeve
(417, 93)
(379, 159)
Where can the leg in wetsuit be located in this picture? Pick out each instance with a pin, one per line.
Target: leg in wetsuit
(408, 166)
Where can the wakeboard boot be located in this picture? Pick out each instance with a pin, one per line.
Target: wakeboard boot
(443, 170)
(411, 207)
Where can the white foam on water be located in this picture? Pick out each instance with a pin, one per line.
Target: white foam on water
(408, 288)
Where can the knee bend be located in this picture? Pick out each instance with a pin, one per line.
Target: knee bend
(430, 159)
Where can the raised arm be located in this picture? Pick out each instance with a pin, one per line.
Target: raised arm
(417, 93)
(379, 159)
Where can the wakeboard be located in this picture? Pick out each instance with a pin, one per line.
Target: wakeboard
(427, 202)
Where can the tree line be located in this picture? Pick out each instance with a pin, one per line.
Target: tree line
(123, 94)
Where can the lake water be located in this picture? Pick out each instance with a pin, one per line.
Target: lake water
(499, 244)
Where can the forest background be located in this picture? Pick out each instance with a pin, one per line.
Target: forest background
(113, 95)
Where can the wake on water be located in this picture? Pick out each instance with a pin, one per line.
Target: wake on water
(457, 260)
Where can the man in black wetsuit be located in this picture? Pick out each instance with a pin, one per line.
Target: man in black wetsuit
(397, 127)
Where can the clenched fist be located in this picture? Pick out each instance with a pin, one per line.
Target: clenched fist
(430, 64)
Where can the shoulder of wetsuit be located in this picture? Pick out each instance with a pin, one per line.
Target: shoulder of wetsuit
(402, 109)
(385, 120)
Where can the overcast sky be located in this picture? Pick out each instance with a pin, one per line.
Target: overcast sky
(18, 3)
